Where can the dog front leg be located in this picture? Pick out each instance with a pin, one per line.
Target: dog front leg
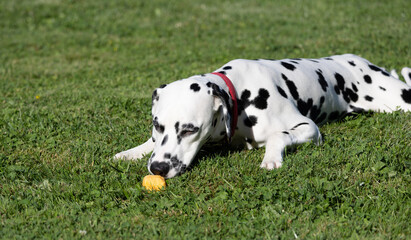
(300, 133)
(137, 152)
(274, 151)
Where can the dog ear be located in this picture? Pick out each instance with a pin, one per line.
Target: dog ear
(222, 101)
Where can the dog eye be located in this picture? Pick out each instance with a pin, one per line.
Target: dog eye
(186, 133)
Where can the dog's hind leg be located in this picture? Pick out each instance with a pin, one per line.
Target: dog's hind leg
(383, 92)
(137, 152)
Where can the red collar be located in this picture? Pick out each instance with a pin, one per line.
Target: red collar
(233, 98)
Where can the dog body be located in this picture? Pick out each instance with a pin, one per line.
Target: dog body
(280, 103)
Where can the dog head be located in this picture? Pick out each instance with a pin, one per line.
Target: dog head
(186, 114)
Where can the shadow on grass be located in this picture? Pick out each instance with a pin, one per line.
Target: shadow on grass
(211, 150)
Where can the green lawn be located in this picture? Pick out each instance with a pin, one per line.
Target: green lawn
(76, 81)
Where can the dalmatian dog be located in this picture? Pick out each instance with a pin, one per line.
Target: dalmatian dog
(271, 103)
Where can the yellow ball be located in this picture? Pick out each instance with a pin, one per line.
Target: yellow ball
(154, 182)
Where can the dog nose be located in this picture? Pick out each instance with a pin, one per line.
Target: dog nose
(159, 168)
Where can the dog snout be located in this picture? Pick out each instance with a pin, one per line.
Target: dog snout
(159, 168)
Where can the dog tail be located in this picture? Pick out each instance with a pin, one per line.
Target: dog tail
(394, 73)
(406, 73)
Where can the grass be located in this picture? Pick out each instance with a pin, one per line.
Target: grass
(76, 81)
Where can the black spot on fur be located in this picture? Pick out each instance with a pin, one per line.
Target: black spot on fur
(195, 87)
(377, 69)
(164, 140)
(167, 155)
(316, 110)
(367, 79)
(347, 93)
(244, 101)
(291, 86)
(245, 94)
(340, 81)
(354, 87)
(406, 95)
(303, 106)
(346, 97)
(383, 88)
(260, 101)
(222, 72)
(175, 162)
(351, 63)
(321, 80)
(160, 128)
(176, 126)
(337, 90)
(322, 100)
(328, 58)
(163, 86)
(285, 132)
(250, 121)
(313, 60)
(409, 75)
(227, 67)
(289, 66)
(281, 91)
(368, 98)
(351, 94)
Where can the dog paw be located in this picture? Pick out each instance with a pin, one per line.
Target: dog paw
(129, 155)
(126, 155)
(270, 165)
(119, 156)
